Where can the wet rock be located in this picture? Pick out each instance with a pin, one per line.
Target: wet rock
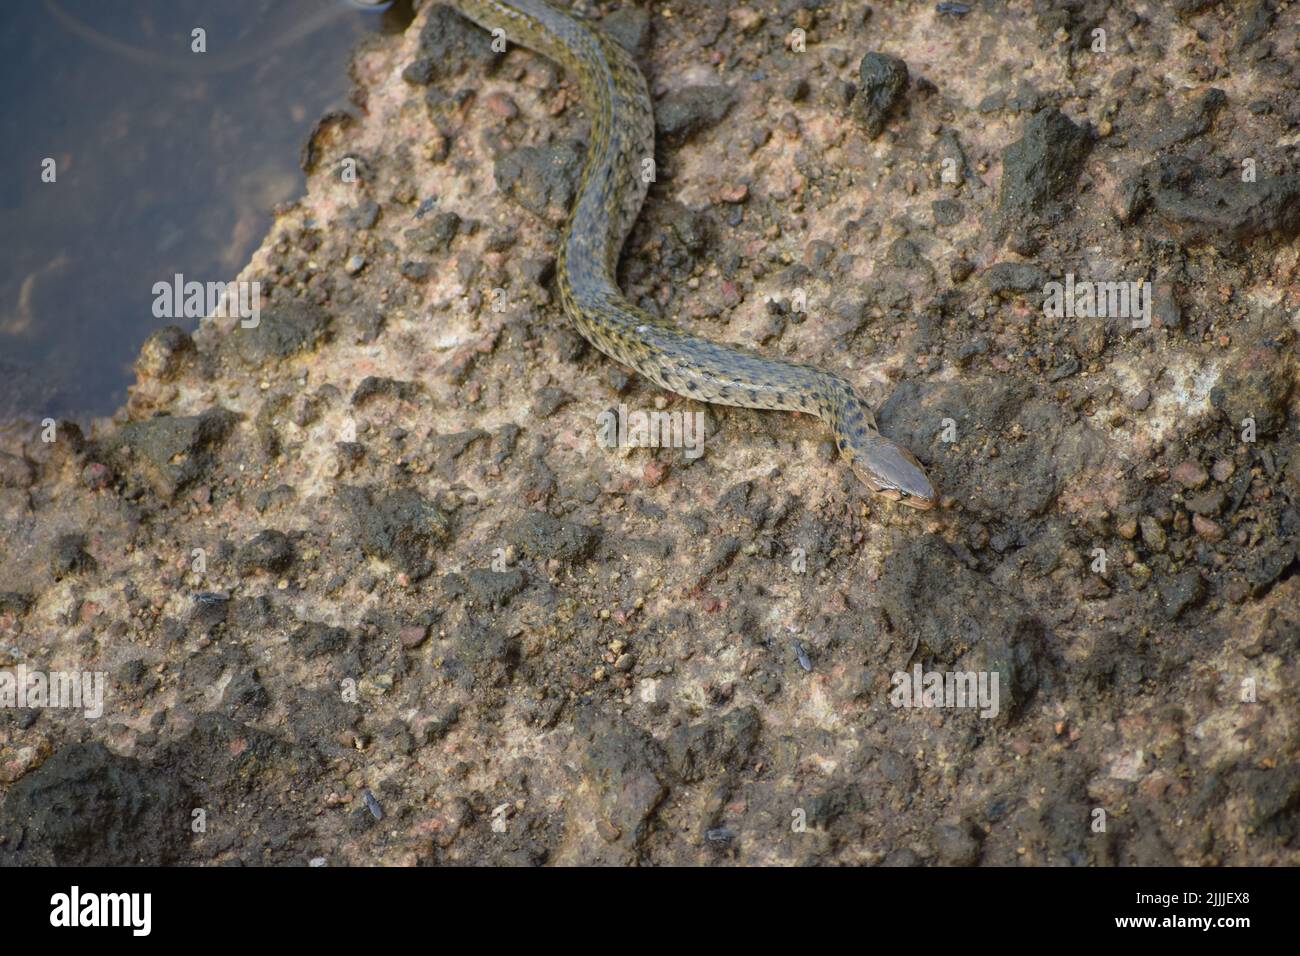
(544, 538)
(328, 130)
(1257, 386)
(284, 329)
(170, 453)
(1206, 206)
(270, 551)
(542, 179)
(1043, 164)
(683, 113)
(86, 806)
(401, 528)
(882, 81)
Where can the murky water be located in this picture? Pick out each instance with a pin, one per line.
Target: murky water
(129, 157)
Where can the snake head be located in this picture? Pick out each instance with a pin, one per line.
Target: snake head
(890, 470)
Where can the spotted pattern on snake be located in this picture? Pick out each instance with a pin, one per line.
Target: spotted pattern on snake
(608, 202)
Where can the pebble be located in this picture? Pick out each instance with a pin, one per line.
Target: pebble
(1208, 530)
(1152, 533)
(1191, 474)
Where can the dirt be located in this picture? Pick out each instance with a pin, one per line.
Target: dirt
(366, 589)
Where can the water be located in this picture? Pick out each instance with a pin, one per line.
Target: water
(166, 161)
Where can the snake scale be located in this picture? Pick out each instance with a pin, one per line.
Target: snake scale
(608, 202)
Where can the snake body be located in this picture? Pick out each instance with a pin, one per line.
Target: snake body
(608, 202)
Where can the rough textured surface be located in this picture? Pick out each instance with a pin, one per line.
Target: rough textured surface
(419, 574)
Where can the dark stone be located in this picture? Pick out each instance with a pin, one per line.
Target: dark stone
(316, 639)
(1004, 277)
(170, 453)
(956, 615)
(882, 83)
(485, 588)
(543, 537)
(542, 179)
(401, 527)
(1201, 207)
(284, 329)
(70, 556)
(1040, 166)
(1180, 592)
(715, 747)
(947, 212)
(270, 551)
(86, 806)
(373, 385)
(683, 113)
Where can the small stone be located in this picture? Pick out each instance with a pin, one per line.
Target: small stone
(413, 636)
(1223, 469)
(1141, 401)
(1152, 533)
(502, 105)
(1191, 474)
(1127, 529)
(354, 265)
(1209, 530)
(1208, 503)
(654, 473)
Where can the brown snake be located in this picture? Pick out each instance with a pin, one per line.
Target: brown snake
(609, 200)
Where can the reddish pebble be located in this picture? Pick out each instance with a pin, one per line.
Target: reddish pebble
(654, 473)
(502, 105)
(1191, 474)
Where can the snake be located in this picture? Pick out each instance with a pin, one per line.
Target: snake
(608, 200)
